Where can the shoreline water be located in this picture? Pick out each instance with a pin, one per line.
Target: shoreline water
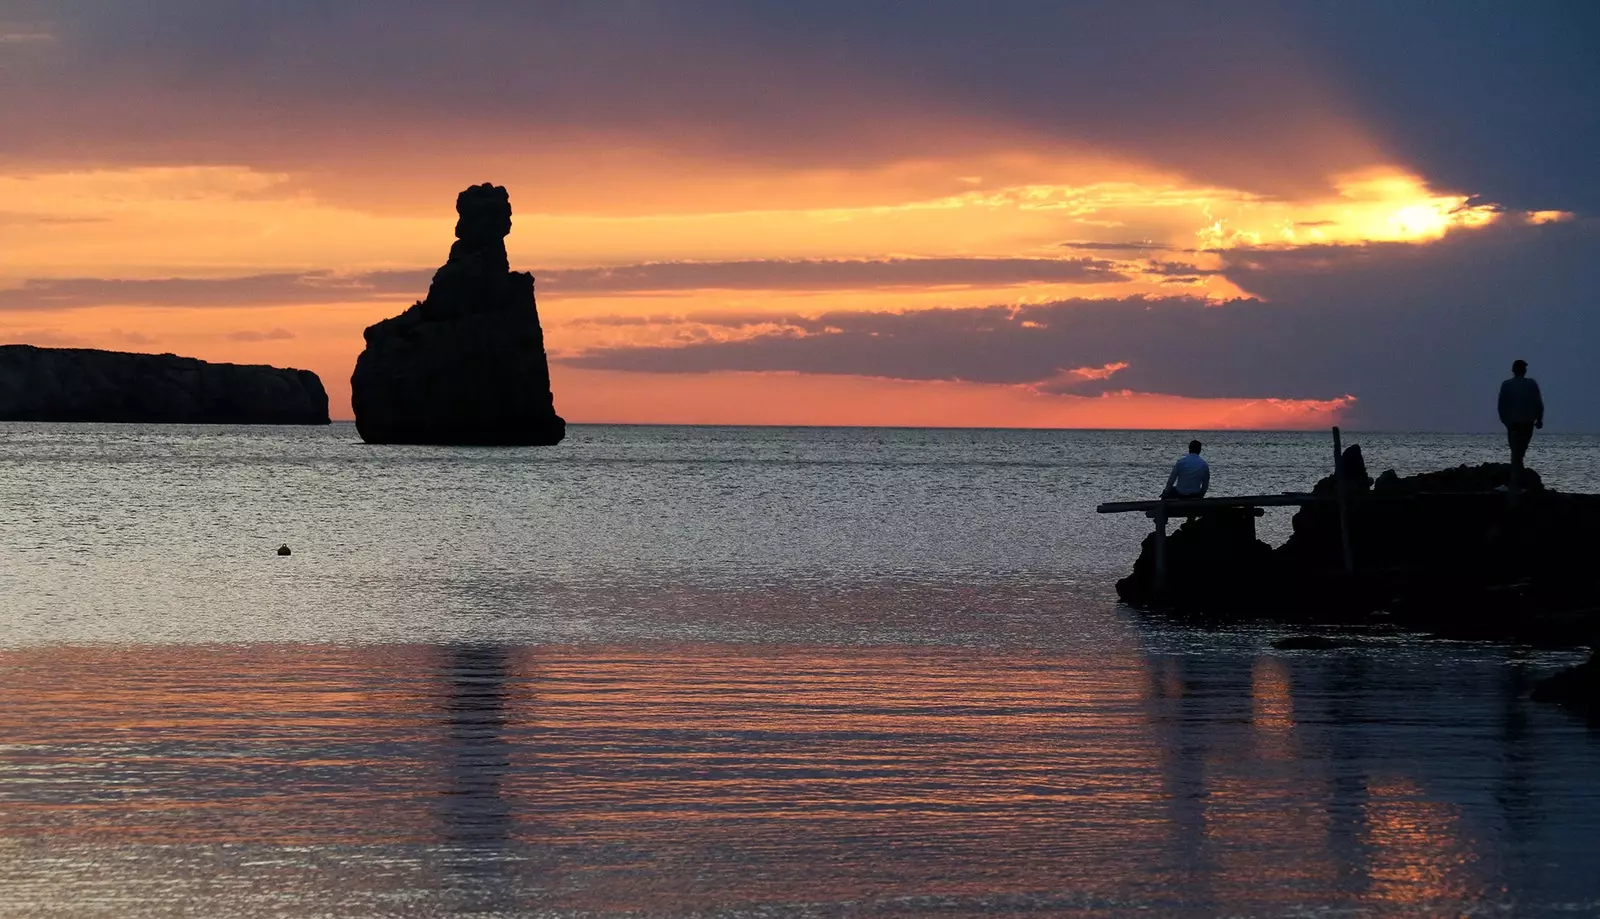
(684, 672)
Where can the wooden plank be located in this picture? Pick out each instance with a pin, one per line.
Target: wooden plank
(1204, 504)
(1253, 512)
(1180, 506)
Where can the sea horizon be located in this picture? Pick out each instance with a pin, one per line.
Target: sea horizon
(1551, 430)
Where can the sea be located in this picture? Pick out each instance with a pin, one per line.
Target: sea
(731, 672)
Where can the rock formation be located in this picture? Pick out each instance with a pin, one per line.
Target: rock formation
(1211, 561)
(80, 384)
(466, 365)
(1444, 552)
(1577, 688)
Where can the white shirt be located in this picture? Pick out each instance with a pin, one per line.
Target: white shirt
(1190, 475)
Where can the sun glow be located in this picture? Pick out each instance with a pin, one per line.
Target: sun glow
(1376, 206)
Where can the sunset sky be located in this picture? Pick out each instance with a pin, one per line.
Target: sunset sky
(1013, 214)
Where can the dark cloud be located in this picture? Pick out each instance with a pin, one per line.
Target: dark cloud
(827, 274)
(1177, 268)
(617, 322)
(774, 274)
(19, 219)
(995, 344)
(719, 320)
(406, 282)
(1489, 98)
(253, 290)
(250, 335)
(1420, 334)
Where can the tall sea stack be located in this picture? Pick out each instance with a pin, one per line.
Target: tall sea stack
(467, 364)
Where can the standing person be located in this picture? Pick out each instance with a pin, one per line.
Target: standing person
(1521, 410)
(1190, 475)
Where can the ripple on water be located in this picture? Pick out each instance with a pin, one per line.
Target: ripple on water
(672, 779)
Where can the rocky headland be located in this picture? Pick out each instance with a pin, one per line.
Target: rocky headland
(82, 384)
(467, 364)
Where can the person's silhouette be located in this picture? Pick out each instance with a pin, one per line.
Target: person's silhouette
(1190, 477)
(1521, 410)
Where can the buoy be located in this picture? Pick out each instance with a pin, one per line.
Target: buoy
(283, 550)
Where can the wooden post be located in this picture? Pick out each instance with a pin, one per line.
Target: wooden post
(1161, 550)
(1344, 504)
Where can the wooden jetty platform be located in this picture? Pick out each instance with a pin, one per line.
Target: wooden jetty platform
(1161, 510)
(1192, 507)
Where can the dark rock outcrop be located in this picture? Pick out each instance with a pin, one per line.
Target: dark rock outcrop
(466, 365)
(1447, 552)
(81, 384)
(1577, 688)
(1210, 560)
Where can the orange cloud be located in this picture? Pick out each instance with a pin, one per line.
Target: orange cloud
(1103, 372)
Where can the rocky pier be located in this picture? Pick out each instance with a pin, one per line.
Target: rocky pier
(1453, 553)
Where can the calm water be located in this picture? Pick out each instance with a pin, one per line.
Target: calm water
(727, 672)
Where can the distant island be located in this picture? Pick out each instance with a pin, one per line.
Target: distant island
(84, 384)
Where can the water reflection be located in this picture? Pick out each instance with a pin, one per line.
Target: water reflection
(1257, 770)
(475, 819)
(788, 780)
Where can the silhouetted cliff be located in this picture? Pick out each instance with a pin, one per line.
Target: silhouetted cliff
(82, 384)
(467, 364)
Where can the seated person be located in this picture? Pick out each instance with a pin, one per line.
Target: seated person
(1190, 475)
